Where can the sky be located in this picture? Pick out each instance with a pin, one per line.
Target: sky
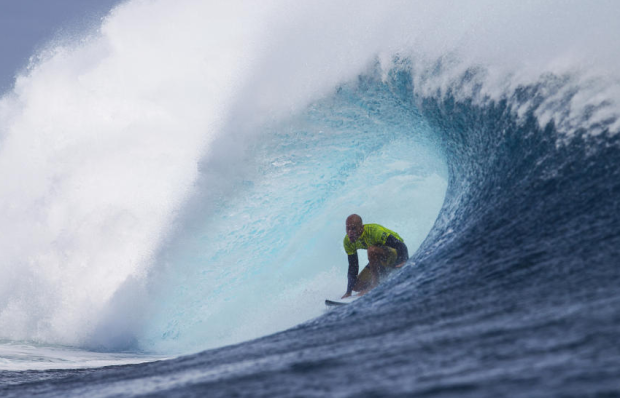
(26, 25)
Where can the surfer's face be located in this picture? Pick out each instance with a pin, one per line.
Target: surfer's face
(354, 230)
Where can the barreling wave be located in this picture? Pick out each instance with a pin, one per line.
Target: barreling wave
(516, 275)
(185, 188)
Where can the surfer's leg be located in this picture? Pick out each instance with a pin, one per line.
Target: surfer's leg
(381, 260)
(363, 280)
(377, 257)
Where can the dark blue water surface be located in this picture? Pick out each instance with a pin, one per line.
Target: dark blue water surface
(515, 292)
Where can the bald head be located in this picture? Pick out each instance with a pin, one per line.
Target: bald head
(354, 219)
(355, 227)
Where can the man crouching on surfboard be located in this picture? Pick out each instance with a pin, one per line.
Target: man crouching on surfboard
(386, 251)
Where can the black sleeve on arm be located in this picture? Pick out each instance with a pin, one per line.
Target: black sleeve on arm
(400, 247)
(354, 268)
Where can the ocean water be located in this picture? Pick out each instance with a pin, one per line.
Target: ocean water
(174, 186)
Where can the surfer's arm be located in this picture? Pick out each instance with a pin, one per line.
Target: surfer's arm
(354, 268)
(401, 249)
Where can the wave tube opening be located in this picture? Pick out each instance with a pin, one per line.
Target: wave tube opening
(265, 256)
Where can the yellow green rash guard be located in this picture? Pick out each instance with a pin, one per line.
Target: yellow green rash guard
(373, 235)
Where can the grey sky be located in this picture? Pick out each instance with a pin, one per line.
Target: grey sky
(26, 25)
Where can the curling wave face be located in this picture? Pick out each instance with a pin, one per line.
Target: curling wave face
(155, 228)
(517, 274)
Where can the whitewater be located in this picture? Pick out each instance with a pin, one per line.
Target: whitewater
(174, 184)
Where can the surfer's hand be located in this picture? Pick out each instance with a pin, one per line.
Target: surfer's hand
(346, 295)
(400, 265)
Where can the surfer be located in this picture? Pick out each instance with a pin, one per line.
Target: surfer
(386, 252)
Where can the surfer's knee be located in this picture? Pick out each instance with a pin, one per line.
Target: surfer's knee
(376, 255)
